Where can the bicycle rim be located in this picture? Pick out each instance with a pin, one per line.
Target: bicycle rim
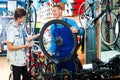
(45, 42)
(36, 71)
(50, 70)
(30, 22)
(117, 44)
(84, 10)
(109, 28)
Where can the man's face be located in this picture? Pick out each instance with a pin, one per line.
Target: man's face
(56, 12)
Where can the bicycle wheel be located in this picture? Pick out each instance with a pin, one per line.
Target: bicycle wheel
(85, 14)
(11, 76)
(117, 44)
(109, 28)
(51, 70)
(46, 37)
(36, 71)
(30, 22)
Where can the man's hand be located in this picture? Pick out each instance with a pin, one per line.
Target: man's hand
(37, 35)
(32, 37)
(50, 53)
(74, 30)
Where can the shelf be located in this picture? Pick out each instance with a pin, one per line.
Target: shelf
(3, 54)
(7, 17)
(3, 2)
(21, 3)
(3, 6)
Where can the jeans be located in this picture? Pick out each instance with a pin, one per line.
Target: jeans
(18, 71)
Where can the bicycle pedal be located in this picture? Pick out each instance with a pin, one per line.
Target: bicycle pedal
(36, 74)
(66, 77)
(31, 78)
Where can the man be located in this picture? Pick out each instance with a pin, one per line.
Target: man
(60, 51)
(16, 45)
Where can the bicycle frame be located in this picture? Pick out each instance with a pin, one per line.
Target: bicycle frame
(92, 20)
(36, 62)
(28, 3)
(34, 56)
(107, 11)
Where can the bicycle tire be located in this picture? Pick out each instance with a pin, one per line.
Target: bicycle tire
(109, 32)
(42, 40)
(78, 65)
(30, 22)
(117, 44)
(36, 71)
(84, 10)
(11, 76)
(51, 70)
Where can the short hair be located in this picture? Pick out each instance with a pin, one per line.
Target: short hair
(19, 12)
(58, 6)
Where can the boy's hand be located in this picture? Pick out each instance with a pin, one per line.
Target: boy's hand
(29, 44)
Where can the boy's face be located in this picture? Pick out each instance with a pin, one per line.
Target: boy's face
(56, 12)
(22, 19)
